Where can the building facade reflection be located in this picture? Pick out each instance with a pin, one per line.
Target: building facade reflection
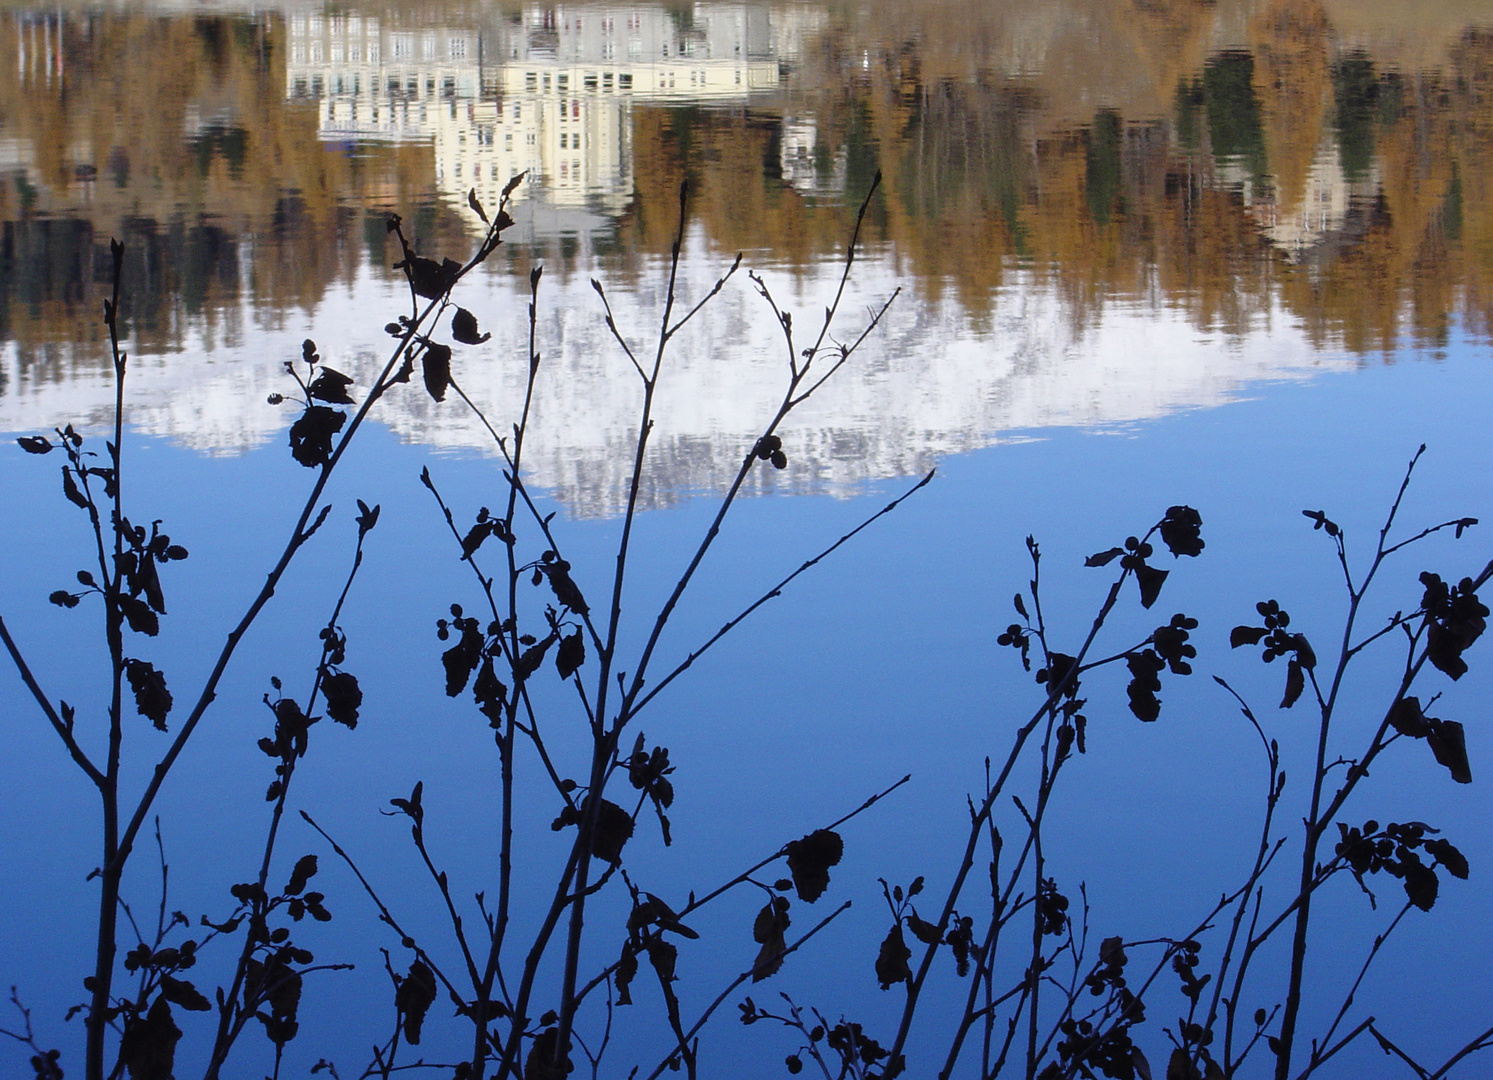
(548, 92)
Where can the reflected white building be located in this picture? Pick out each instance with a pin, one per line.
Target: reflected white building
(549, 91)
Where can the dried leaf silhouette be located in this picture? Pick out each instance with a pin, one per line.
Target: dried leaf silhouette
(891, 960)
(311, 435)
(809, 861)
(152, 699)
(464, 328)
(413, 999)
(331, 386)
(435, 366)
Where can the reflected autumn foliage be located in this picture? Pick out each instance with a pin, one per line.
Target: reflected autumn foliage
(1224, 159)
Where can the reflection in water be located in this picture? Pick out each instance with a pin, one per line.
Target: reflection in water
(1141, 208)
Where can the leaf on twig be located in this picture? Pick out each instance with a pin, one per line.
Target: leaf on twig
(311, 435)
(1449, 743)
(71, 490)
(891, 960)
(305, 870)
(1150, 581)
(148, 1046)
(613, 830)
(429, 278)
(435, 366)
(331, 386)
(343, 696)
(571, 654)
(1100, 558)
(1295, 684)
(1407, 718)
(1246, 635)
(413, 998)
(768, 930)
(1181, 531)
(464, 328)
(182, 993)
(152, 699)
(809, 861)
(139, 616)
(476, 204)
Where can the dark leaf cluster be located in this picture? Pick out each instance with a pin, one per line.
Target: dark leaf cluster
(1052, 908)
(1085, 1048)
(1279, 641)
(1180, 530)
(1110, 971)
(1016, 636)
(1184, 963)
(1169, 649)
(1455, 619)
(648, 772)
(648, 921)
(770, 448)
(1396, 851)
(290, 741)
(853, 1045)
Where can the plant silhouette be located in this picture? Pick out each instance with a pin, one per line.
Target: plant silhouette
(1035, 996)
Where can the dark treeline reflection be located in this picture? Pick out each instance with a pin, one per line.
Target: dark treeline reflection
(1223, 158)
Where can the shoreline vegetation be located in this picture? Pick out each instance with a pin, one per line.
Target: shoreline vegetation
(1044, 995)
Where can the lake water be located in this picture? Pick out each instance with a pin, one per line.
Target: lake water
(1234, 255)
